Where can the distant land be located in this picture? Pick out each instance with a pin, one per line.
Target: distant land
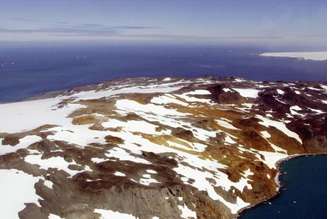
(319, 56)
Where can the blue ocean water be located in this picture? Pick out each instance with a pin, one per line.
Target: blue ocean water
(303, 194)
(29, 70)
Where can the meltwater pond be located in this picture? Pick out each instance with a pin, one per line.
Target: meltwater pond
(303, 193)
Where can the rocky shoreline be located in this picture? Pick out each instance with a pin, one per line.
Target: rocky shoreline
(278, 182)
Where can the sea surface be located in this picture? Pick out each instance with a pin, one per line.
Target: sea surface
(303, 194)
(28, 69)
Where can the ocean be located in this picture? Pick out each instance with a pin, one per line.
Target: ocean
(30, 70)
(303, 194)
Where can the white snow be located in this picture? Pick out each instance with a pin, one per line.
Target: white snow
(98, 160)
(198, 169)
(247, 105)
(271, 158)
(109, 214)
(239, 80)
(198, 92)
(281, 92)
(199, 147)
(151, 171)
(118, 173)
(52, 162)
(133, 126)
(92, 94)
(77, 134)
(314, 88)
(167, 79)
(277, 148)
(121, 154)
(235, 207)
(53, 216)
(192, 99)
(23, 143)
(226, 89)
(248, 173)
(278, 125)
(167, 99)
(16, 117)
(297, 108)
(147, 179)
(229, 140)
(294, 109)
(226, 124)
(162, 115)
(247, 92)
(48, 183)
(16, 188)
(316, 110)
(265, 134)
(186, 212)
(46, 111)
(319, 56)
(133, 106)
(200, 178)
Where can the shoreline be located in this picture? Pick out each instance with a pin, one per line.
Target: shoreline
(93, 85)
(279, 186)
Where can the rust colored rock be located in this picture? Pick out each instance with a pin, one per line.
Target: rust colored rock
(10, 140)
(227, 97)
(113, 140)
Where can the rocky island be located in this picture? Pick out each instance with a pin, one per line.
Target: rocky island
(153, 148)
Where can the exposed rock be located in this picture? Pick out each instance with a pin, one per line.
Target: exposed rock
(10, 140)
(163, 148)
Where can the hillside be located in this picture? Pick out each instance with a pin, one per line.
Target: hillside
(155, 148)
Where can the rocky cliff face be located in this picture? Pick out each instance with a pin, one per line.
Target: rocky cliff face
(155, 148)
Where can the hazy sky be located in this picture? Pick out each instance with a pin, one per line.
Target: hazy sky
(269, 22)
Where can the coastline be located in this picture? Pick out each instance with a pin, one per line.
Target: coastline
(278, 182)
(115, 81)
(93, 85)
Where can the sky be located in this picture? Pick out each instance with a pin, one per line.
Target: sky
(251, 22)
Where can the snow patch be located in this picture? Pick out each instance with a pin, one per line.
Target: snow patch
(16, 188)
(247, 92)
(278, 125)
(186, 212)
(226, 124)
(109, 214)
(23, 143)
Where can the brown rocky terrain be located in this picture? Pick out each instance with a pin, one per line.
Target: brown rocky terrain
(155, 148)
